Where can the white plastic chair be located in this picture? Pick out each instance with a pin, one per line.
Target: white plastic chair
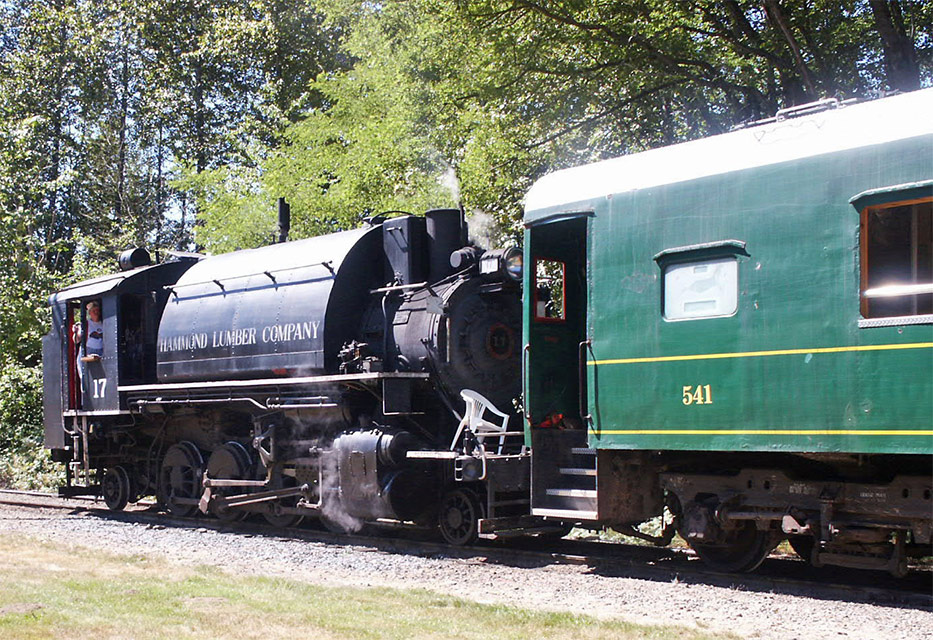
(476, 408)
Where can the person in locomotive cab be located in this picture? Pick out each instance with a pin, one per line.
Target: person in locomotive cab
(93, 346)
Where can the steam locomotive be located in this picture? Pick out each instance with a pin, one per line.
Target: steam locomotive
(732, 335)
(317, 377)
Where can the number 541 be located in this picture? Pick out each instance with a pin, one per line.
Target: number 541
(700, 394)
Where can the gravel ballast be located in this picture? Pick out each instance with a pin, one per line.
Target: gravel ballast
(559, 587)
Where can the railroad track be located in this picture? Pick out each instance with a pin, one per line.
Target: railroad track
(780, 573)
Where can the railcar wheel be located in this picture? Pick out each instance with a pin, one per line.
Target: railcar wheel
(117, 488)
(180, 479)
(458, 517)
(230, 462)
(740, 551)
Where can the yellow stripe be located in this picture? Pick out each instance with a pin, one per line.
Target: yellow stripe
(759, 354)
(763, 432)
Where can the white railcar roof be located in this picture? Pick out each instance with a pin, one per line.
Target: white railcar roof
(845, 127)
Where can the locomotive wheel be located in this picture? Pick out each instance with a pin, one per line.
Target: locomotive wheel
(277, 518)
(180, 479)
(741, 551)
(117, 488)
(230, 462)
(458, 517)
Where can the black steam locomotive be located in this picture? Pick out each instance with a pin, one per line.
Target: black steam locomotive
(361, 376)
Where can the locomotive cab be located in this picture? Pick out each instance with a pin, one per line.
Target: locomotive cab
(102, 336)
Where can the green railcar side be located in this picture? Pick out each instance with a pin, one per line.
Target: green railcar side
(796, 367)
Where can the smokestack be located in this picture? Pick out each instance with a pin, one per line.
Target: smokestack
(447, 232)
(285, 219)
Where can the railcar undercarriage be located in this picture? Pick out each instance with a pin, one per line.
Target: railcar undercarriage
(870, 520)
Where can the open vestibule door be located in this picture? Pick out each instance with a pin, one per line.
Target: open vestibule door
(554, 368)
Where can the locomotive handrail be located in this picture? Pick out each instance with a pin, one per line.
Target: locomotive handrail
(405, 287)
(301, 403)
(399, 287)
(142, 402)
(163, 389)
(270, 403)
(268, 273)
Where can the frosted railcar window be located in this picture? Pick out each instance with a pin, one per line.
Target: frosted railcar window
(702, 289)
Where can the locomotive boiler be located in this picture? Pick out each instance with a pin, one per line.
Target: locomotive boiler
(333, 376)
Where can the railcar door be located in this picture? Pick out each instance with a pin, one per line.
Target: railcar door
(555, 308)
(554, 367)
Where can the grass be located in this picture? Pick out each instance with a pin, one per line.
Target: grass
(50, 591)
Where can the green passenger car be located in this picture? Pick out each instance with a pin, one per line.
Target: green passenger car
(750, 309)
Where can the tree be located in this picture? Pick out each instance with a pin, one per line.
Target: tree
(501, 91)
(521, 87)
(363, 146)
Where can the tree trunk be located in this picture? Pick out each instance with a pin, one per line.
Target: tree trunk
(900, 59)
(124, 112)
(776, 14)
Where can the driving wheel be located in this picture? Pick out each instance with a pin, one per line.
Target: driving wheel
(229, 462)
(180, 479)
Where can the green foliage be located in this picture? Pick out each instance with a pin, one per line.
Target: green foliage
(151, 123)
(24, 462)
(506, 91)
(20, 405)
(30, 468)
(104, 105)
(368, 148)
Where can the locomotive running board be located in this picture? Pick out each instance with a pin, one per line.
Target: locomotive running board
(271, 382)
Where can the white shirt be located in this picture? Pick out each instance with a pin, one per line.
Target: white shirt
(95, 338)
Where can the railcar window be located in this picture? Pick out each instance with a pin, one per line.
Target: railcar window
(550, 281)
(897, 259)
(701, 289)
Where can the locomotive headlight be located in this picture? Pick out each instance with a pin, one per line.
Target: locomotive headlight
(514, 263)
(503, 263)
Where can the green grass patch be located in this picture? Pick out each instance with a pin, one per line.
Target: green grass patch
(50, 591)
